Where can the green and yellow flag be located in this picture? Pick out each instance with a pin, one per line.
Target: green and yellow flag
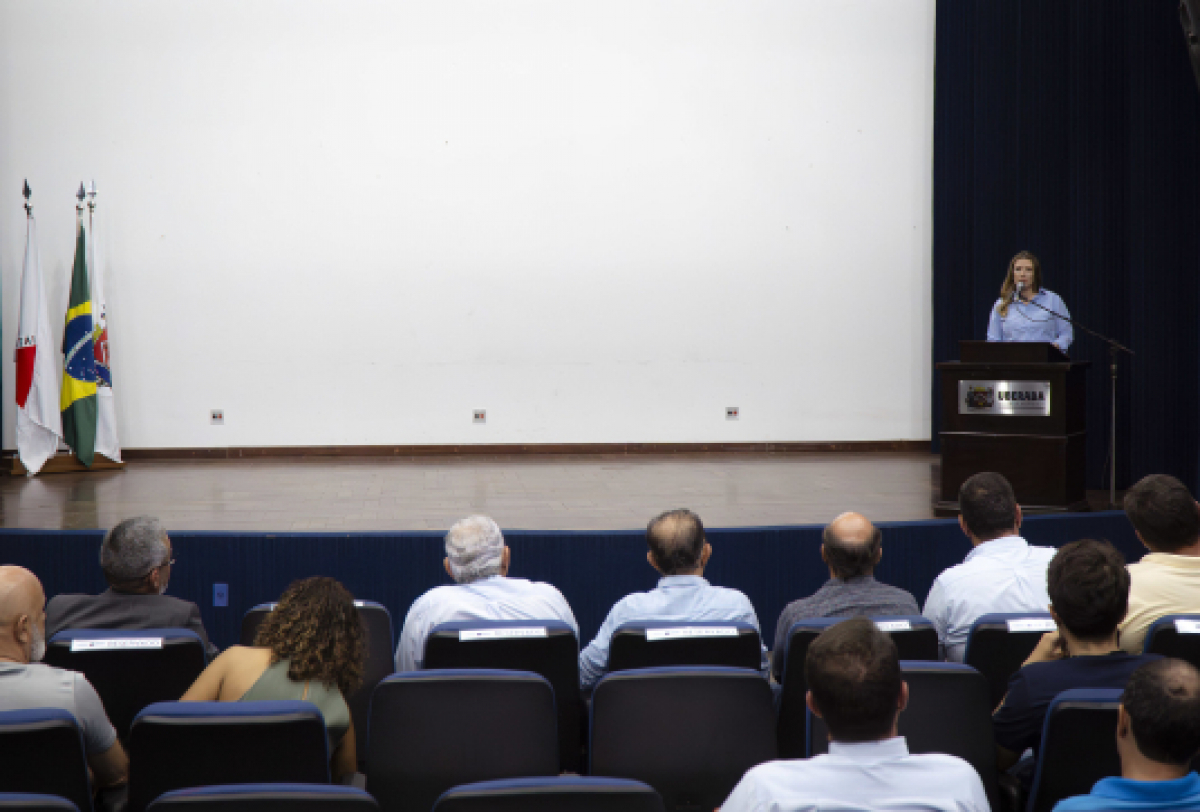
(79, 368)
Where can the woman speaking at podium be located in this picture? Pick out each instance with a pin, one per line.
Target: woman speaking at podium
(1017, 315)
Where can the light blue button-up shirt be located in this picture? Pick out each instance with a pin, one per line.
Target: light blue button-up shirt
(1025, 322)
(683, 598)
(1002, 575)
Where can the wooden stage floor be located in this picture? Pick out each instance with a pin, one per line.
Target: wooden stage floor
(550, 492)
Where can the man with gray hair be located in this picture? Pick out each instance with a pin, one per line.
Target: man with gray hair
(477, 559)
(136, 559)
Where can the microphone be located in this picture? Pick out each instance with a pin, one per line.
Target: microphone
(1017, 293)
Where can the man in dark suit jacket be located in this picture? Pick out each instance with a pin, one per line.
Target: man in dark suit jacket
(136, 559)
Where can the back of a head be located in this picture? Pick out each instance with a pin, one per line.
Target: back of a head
(317, 627)
(1163, 512)
(1162, 699)
(475, 549)
(988, 506)
(676, 540)
(852, 545)
(132, 549)
(1089, 588)
(853, 672)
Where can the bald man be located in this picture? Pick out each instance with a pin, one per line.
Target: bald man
(851, 547)
(25, 683)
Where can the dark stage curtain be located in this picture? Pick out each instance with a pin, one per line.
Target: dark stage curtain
(1071, 129)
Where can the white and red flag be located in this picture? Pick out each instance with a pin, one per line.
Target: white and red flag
(39, 423)
(107, 442)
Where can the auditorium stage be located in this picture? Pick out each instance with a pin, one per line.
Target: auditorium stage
(534, 492)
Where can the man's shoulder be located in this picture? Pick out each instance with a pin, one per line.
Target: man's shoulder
(540, 588)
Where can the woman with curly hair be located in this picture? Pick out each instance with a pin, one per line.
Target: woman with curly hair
(311, 647)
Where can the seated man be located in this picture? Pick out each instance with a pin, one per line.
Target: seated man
(1158, 735)
(856, 686)
(1004, 573)
(25, 683)
(851, 547)
(1089, 593)
(477, 559)
(136, 559)
(1166, 581)
(678, 551)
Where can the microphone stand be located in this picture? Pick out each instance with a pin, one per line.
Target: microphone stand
(1113, 349)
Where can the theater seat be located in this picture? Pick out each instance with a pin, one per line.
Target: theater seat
(949, 711)
(130, 669)
(20, 802)
(379, 663)
(178, 745)
(545, 647)
(915, 638)
(41, 752)
(266, 798)
(689, 732)
(1000, 643)
(1175, 636)
(658, 644)
(560, 794)
(434, 730)
(1079, 746)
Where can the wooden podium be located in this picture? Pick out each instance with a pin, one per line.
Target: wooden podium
(1020, 409)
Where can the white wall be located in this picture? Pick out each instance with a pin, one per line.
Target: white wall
(602, 220)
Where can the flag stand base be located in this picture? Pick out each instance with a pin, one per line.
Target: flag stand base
(66, 463)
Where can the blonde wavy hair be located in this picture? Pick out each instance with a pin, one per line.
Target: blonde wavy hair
(1010, 286)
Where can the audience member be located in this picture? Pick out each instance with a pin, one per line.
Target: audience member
(1089, 593)
(1167, 580)
(26, 683)
(311, 647)
(1158, 735)
(851, 547)
(478, 560)
(856, 686)
(679, 551)
(1004, 573)
(136, 559)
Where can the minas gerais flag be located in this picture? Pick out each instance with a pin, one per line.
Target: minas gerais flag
(38, 422)
(78, 401)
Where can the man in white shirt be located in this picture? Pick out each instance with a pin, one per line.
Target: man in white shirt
(679, 551)
(25, 683)
(1004, 573)
(1167, 580)
(855, 685)
(477, 559)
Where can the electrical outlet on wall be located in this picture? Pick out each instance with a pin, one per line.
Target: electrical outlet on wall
(479, 416)
(732, 412)
(218, 417)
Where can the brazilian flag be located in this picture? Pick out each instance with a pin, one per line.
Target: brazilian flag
(78, 401)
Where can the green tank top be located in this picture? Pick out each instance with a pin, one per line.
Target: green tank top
(276, 684)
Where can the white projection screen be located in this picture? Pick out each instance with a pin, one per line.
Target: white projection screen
(603, 222)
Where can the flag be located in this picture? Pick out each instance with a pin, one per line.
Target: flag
(107, 442)
(39, 425)
(78, 400)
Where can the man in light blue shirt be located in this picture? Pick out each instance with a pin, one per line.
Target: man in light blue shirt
(1158, 735)
(1004, 573)
(679, 551)
(477, 559)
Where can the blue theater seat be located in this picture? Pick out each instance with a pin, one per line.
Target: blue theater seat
(658, 644)
(545, 647)
(689, 732)
(949, 711)
(915, 638)
(130, 669)
(559, 794)
(1175, 636)
(266, 798)
(1079, 746)
(41, 752)
(20, 802)
(1000, 643)
(178, 745)
(379, 662)
(433, 730)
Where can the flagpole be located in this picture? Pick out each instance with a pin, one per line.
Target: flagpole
(27, 192)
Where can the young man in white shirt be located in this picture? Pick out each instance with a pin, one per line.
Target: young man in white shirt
(856, 686)
(1004, 573)
(477, 559)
